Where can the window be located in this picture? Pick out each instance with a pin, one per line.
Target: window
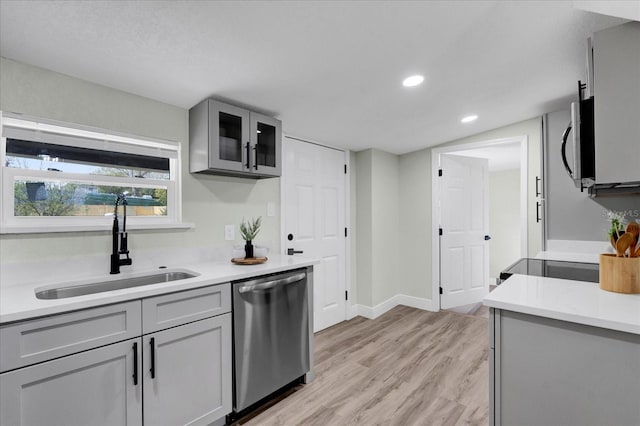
(61, 177)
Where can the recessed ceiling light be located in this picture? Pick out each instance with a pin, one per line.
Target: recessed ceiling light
(469, 119)
(412, 81)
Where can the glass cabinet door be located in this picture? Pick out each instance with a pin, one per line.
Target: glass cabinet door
(229, 137)
(266, 134)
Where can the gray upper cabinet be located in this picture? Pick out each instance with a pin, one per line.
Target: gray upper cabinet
(228, 140)
(616, 62)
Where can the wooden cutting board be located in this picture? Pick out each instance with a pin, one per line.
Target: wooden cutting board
(249, 261)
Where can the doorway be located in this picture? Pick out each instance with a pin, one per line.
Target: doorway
(314, 191)
(462, 275)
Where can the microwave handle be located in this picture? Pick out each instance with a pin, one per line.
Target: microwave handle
(563, 150)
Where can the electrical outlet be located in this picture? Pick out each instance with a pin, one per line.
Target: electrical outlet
(228, 233)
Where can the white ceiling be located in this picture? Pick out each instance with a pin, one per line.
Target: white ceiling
(330, 70)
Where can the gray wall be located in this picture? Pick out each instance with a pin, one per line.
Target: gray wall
(415, 223)
(209, 202)
(532, 130)
(504, 220)
(364, 228)
(393, 218)
(379, 240)
(569, 213)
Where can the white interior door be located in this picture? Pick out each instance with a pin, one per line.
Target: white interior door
(464, 219)
(314, 222)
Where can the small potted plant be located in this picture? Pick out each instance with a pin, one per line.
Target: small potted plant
(617, 227)
(249, 230)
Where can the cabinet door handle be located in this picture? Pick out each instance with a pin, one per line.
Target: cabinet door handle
(255, 157)
(152, 343)
(537, 190)
(135, 364)
(248, 148)
(538, 217)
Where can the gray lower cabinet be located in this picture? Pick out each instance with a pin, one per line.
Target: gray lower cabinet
(187, 373)
(98, 367)
(90, 388)
(550, 372)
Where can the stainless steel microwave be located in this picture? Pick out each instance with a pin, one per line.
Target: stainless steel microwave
(582, 166)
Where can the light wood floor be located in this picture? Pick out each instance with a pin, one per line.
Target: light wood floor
(407, 367)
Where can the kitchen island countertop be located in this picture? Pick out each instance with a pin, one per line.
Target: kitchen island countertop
(574, 301)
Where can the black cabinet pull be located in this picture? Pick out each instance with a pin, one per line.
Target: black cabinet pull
(153, 357)
(538, 217)
(255, 157)
(135, 364)
(248, 148)
(538, 193)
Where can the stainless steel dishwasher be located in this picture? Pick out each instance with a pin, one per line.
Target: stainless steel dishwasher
(270, 335)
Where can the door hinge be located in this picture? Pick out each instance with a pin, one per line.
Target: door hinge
(346, 295)
(345, 232)
(440, 290)
(439, 231)
(345, 169)
(439, 172)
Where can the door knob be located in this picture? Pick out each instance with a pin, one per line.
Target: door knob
(291, 251)
(487, 238)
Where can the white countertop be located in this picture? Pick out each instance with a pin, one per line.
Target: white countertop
(18, 301)
(574, 301)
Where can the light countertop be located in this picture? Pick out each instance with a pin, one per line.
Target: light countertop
(574, 301)
(18, 302)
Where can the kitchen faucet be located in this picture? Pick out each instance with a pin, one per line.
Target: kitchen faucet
(116, 261)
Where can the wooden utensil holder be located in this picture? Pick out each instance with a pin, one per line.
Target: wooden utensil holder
(620, 274)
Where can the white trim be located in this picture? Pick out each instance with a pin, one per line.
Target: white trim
(435, 202)
(89, 228)
(283, 202)
(524, 196)
(350, 313)
(324, 145)
(392, 302)
(72, 129)
(71, 134)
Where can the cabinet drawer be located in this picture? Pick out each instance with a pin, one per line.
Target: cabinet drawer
(38, 340)
(170, 310)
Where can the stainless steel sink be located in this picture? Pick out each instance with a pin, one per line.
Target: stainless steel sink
(101, 286)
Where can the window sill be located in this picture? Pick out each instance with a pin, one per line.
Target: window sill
(90, 228)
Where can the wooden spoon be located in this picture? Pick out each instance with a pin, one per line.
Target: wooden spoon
(623, 243)
(634, 229)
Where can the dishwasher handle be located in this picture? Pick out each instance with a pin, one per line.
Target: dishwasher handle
(270, 284)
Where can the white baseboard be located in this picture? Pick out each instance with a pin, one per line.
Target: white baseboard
(352, 311)
(387, 305)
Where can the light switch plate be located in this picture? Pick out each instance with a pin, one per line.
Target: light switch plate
(228, 233)
(271, 209)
